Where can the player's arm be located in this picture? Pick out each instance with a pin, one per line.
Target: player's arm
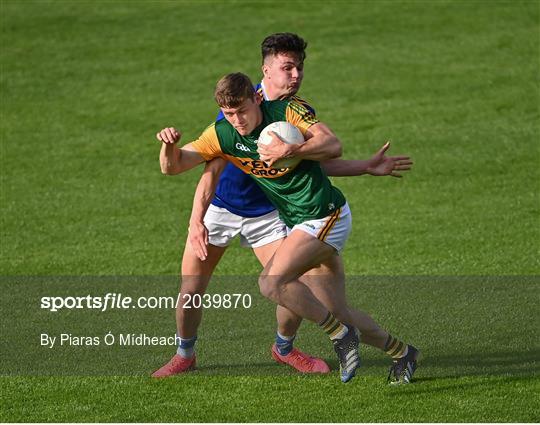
(175, 160)
(378, 165)
(206, 188)
(198, 234)
(321, 142)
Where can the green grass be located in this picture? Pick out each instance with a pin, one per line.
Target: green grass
(477, 366)
(288, 399)
(86, 85)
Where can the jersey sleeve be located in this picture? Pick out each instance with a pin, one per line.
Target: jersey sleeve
(207, 145)
(304, 103)
(300, 116)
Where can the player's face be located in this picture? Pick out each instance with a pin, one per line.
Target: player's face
(246, 117)
(284, 72)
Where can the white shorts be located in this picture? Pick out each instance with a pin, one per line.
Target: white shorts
(223, 226)
(333, 229)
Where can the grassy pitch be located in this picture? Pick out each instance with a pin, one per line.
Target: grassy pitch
(86, 85)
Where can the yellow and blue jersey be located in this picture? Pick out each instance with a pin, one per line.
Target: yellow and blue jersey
(236, 191)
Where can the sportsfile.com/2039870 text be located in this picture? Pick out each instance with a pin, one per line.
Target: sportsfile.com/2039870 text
(111, 301)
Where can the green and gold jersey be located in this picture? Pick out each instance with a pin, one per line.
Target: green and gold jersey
(300, 193)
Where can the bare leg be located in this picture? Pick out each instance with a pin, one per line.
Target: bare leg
(288, 322)
(327, 282)
(195, 278)
(279, 280)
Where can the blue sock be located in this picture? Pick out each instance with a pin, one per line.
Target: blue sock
(186, 347)
(284, 344)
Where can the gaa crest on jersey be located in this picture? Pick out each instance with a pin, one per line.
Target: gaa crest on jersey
(242, 147)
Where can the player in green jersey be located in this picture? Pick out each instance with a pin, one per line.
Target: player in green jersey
(315, 237)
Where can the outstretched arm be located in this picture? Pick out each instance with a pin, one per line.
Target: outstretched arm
(172, 159)
(378, 165)
(198, 233)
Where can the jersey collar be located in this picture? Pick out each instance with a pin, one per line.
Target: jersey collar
(265, 96)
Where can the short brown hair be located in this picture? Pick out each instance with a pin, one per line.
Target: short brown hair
(233, 89)
(284, 43)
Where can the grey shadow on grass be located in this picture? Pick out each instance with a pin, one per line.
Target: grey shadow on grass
(518, 363)
(257, 368)
(416, 386)
(498, 363)
(431, 367)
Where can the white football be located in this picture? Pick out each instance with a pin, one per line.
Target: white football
(289, 134)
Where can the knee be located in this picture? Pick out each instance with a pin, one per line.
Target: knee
(269, 287)
(194, 284)
(187, 301)
(190, 296)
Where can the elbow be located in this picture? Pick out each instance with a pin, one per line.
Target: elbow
(164, 169)
(338, 149)
(167, 170)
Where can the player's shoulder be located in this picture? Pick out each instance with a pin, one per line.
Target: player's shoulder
(297, 111)
(279, 110)
(274, 104)
(209, 134)
(222, 129)
(211, 128)
(302, 102)
(275, 110)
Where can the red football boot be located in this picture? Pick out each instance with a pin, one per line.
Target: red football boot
(301, 361)
(176, 365)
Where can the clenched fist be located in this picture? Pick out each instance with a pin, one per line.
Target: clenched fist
(169, 135)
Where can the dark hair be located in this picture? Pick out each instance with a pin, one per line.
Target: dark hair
(233, 89)
(283, 42)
